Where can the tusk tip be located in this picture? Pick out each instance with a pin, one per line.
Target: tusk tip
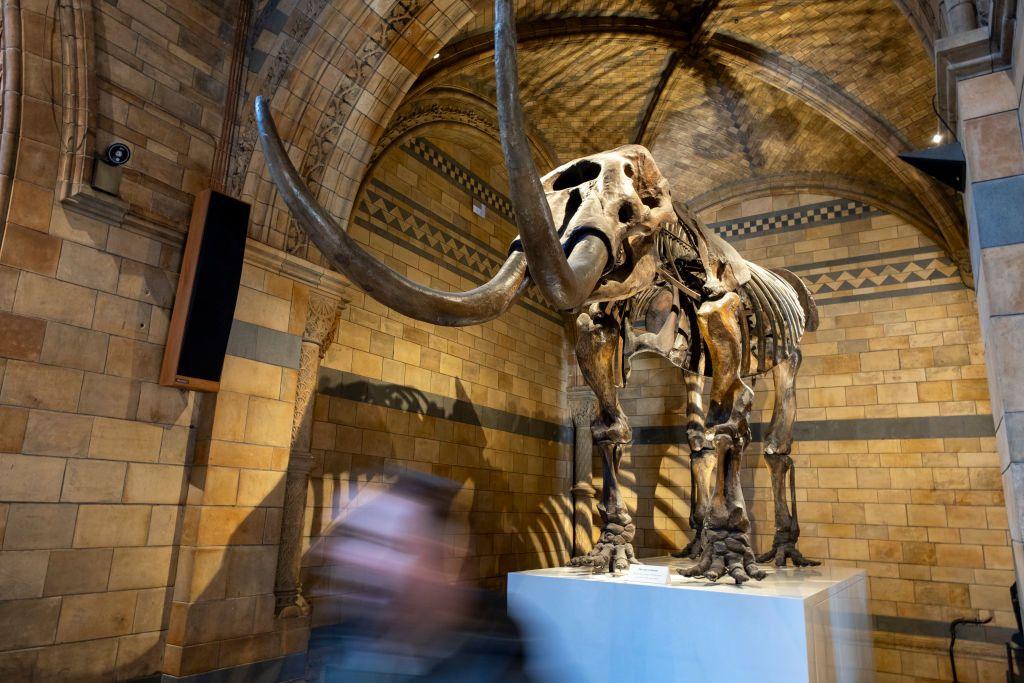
(262, 108)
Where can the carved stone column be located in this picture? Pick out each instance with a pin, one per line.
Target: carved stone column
(583, 405)
(961, 15)
(321, 322)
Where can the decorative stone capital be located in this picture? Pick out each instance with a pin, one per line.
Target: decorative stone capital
(582, 405)
(321, 321)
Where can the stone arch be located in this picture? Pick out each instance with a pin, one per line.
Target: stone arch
(10, 101)
(334, 100)
(456, 106)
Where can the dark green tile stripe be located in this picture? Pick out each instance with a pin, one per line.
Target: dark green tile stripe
(851, 260)
(363, 390)
(954, 427)
(890, 294)
(288, 668)
(940, 629)
(264, 345)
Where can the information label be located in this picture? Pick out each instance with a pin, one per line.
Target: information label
(654, 574)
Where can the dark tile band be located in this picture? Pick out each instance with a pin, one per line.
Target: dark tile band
(890, 294)
(796, 218)
(940, 427)
(352, 387)
(940, 629)
(264, 345)
(288, 668)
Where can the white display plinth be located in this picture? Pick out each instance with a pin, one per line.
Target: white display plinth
(795, 625)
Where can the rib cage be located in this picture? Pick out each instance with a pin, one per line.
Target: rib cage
(777, 308)
(775, 320)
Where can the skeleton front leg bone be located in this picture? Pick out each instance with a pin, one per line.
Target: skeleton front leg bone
(724, 536)
(778, 444)
(702, 461)
(597, 351)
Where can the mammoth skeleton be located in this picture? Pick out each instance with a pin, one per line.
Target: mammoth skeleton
(602, 240)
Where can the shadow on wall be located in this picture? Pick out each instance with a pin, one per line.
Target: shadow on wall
(222, 614)
(221, 609)
(508, 528)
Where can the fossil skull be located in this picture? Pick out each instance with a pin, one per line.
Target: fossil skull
(620, 197)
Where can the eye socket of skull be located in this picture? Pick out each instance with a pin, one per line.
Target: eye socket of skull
(582, 171)
(651, 202)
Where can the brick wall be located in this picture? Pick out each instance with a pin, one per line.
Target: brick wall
(93, 453)
(483, 404)
(896, 463)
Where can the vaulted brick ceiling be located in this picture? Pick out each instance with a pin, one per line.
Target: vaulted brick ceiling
(769, 89)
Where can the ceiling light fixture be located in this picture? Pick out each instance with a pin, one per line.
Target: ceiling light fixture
(937, 138)
(437, 55)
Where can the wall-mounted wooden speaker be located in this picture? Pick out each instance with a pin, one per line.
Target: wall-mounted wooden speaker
(207, 292)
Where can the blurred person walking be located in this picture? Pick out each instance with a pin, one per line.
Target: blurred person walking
(410, 620)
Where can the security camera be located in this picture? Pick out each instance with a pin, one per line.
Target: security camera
(117, 154)
(106, 168)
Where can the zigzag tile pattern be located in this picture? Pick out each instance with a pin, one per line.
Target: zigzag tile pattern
(393, 209)
(899, 273)
(423, 150)
(905, 272)
(389, 214)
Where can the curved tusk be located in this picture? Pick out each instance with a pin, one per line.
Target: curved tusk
(564, 286)
(392, 289)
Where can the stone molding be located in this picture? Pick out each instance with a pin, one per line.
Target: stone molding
(452, 105)
(78, 131)
(320, 278)
(80, 93)
(10, 101)
(973, 53)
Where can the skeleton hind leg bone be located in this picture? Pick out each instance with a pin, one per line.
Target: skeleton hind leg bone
(778, 443)
(702, 460)
(725, 541)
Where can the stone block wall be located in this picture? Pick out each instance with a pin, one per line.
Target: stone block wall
(483, 405)
(222, 611)
(896, 463)
(990, 124)
(93, 452)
